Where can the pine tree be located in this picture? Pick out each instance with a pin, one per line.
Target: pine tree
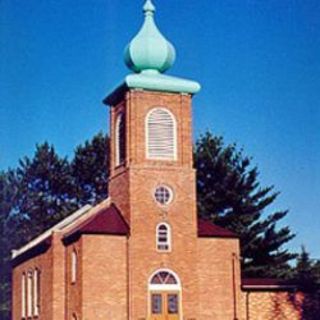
(7, 195)
(45, 193)
(307, 272)
(90, 170)
(307, 275)
(230, 195)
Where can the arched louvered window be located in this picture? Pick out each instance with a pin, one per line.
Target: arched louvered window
(161, 135)
(120, 139)
(163, 237)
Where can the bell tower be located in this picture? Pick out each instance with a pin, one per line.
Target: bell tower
(152, 180)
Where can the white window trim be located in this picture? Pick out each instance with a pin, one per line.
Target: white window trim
(165, 287)
(23, 296)
(168, 242)
(74, 266)
(175, 143)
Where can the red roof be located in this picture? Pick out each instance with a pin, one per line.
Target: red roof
(106, 221)
(208, 229)
(111, 221)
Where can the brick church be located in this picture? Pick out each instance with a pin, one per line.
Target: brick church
(142, 253)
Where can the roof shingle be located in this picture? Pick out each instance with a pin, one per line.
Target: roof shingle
(106, 221)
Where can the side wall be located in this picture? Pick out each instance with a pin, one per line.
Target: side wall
(271, 305)
(43, 263)
(104, 277)
(219, 278)
(51, 267)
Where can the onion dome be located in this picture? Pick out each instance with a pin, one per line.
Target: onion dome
(149, 49)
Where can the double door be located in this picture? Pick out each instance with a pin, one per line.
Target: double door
(164, 305)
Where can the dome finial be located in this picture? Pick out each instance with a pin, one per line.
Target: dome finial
(149, 50)
(149, 8)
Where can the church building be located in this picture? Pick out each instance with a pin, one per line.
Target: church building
(143, 253)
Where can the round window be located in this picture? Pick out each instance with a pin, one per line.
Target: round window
(163, 195)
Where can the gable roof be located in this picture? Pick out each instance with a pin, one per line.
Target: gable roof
(107, 220)
(68, 221)
(207, 229)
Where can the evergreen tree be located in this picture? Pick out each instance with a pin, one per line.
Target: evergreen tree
(230, 195)
(7, 195)
(90, 170)
(307, 275)
(308, 272)
(45, 193)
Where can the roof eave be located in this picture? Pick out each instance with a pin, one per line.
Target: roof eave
(232, 236)
(268, 287)
(59, 226)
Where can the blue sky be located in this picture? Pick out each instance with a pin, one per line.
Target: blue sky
(258, 62)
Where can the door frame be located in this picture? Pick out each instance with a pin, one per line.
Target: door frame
(174, 288)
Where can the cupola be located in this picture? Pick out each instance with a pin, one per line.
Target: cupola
(149, 49)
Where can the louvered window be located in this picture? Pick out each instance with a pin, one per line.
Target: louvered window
(120, 140)
(161, 136)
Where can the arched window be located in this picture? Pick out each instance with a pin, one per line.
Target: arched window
(161, 135)
(23, 296)
(74, 266)
(29, 294)
(120, 140)
(36, 292)
(164, 277)
(163, 237)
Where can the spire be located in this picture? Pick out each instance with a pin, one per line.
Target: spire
(149, 50)
(149, 8)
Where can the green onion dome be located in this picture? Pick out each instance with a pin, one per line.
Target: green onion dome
(149, 49)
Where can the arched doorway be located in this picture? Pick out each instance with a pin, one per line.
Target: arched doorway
(164, 296)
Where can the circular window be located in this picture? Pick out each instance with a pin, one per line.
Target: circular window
(163, 195)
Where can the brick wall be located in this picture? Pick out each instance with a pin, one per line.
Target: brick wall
(271, 305)
(43, 263)
(104, 277)
(74, 289)
(219, 278)
(51, 266)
